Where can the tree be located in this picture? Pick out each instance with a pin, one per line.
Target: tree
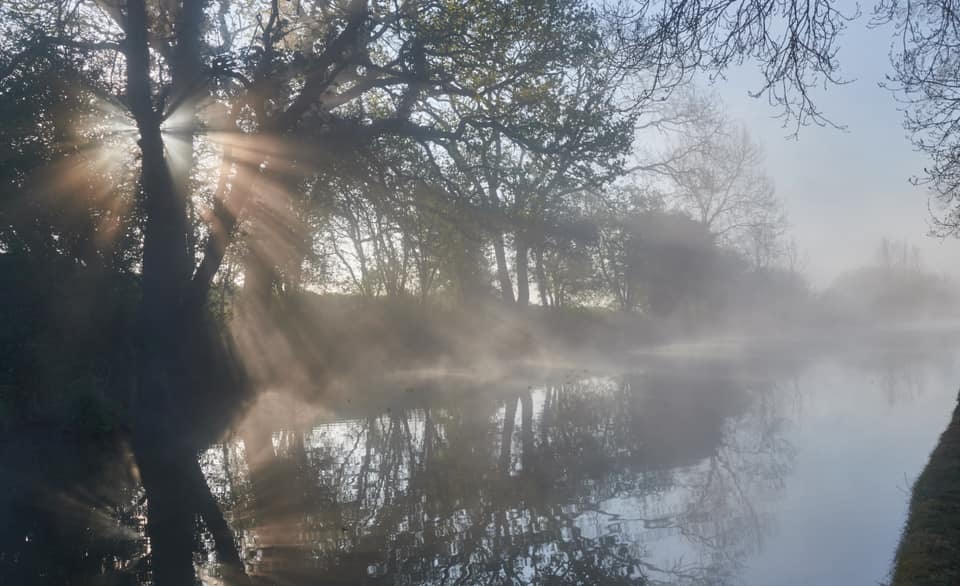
(794, 44)
(273, 88)
(583, 123)
(894, 287)
(924, 57)
(714, 171)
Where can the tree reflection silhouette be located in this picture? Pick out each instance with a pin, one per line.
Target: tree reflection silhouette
(666, 476)
(639, 479)
(653, 478)
(69, 514)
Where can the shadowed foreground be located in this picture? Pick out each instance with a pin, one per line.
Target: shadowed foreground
(929, 551)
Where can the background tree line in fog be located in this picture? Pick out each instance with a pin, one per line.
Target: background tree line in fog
(509, 222)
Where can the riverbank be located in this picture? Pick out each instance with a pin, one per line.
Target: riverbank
(929, 551)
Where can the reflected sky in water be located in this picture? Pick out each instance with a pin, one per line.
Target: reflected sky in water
(753, 468)
(686, 471)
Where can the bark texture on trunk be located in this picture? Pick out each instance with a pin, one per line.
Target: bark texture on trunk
(503, 272)
(523, 278)
(163, 443)
(542, 286)
(165, 266)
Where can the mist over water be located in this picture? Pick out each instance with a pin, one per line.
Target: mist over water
(687, 467)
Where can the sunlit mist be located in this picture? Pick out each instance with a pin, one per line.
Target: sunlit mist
(507, 293)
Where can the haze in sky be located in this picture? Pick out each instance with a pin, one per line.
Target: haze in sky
(845, 189)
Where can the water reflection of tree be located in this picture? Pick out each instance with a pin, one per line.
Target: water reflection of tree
(902, 363)
(69, 514)
(655, 478)
(659, 477)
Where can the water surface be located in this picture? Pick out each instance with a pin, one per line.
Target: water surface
(785, 466)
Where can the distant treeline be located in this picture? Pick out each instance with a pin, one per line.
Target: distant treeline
(896, 287)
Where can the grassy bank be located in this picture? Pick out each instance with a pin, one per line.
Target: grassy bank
(929, 552)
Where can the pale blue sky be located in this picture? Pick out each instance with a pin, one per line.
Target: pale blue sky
(844, 190)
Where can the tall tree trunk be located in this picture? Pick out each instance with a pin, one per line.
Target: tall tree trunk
(159, 445)
(521, 263)
(542, 286)
(158, 448)
(503, 273)
(164, 449)
(467, 255)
